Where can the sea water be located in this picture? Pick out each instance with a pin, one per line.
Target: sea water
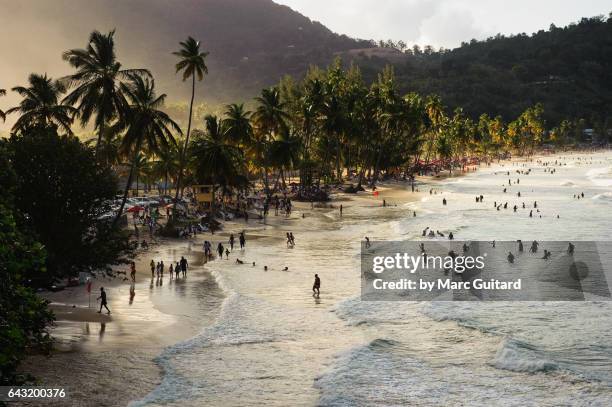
(275, 344)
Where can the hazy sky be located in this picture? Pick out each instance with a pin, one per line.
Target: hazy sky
(443, 22)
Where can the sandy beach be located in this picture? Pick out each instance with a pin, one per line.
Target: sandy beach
(112, 357)
(228, 329)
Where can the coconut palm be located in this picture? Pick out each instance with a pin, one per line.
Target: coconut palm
(237, 124)
(97, 82)
(284, 153)
(270, 118)
(270, 115)
(41, 105)
(215, 158)
(145, 127)
(192, 64)
(167, 163)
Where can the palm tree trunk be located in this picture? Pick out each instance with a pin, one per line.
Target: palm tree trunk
(182, 163)
(127, 185)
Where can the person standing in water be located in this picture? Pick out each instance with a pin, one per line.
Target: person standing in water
(316, 286)
(152, 268)
(133, 271)
(103, 302)
(340, 209)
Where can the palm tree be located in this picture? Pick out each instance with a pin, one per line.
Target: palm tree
(141, 166)
(284, 152)
(333, 123)
(41, 105)
(97, 82)
(2, 114)
(167, 163)
(145, 127)
(270, 118)
(216, 159)
(270, 115)
(192, 64)
(237, 124)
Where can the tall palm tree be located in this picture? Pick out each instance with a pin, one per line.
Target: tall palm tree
(41, 105)
(237, 124)
(333, 123)
(216, 159)
(145, 127)
(192, 64)
(270, 118)
(2, 114)
(167, 163)
(284, 152)
(141, 167)
(97, 82)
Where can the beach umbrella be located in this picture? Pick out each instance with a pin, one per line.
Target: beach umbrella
(169, 206)
(135, 208)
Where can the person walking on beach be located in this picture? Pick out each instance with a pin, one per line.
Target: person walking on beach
(340, 209)
(231, 241)
(184, 266)
(220, 250)
(242, 240)
(161, 269)
(152, 268)
(177, 270)
(171, 271)
(133, 271)
(103, 302)
(316, 286)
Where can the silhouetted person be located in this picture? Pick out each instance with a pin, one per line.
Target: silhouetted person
(103, 302)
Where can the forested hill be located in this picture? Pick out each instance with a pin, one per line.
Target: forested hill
(568, 69)
(252, 43)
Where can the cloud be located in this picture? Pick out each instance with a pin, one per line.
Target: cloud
(443, 22)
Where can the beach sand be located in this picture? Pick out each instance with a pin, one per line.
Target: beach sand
(109, 360)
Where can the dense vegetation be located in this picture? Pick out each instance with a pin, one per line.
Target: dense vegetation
(567, 69)
(24, 317)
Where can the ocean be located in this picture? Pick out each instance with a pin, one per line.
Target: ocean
(275, 344)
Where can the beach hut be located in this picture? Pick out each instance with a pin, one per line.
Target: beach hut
(203, 195)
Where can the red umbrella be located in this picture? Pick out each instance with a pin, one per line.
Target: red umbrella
(135, 208)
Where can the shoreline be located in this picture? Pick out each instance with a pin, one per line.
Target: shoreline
(130, 345)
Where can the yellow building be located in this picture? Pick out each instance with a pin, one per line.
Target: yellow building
(203, 195)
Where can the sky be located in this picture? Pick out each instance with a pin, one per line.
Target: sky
(444, 23)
